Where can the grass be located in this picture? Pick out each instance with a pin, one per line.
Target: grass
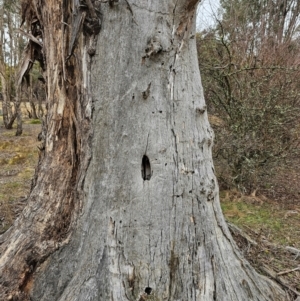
(34, 121)
(12, 191)
(273, 225)
(263, 216)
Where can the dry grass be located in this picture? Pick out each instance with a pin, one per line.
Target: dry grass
(278, 222)
(273, 225)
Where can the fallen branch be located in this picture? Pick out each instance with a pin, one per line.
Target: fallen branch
(269, 272)
(293, 251)
(274, 276)
(288, 271)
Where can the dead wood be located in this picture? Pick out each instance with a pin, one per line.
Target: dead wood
(233, 228)
(288, 271)
(275, 277)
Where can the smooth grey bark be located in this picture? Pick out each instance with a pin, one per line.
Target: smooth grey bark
(150, 225)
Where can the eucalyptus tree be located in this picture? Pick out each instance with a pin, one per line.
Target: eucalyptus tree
(11, 44)
(124, 204)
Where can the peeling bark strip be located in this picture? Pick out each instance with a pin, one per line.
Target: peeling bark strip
(95, 227)
(54, 203)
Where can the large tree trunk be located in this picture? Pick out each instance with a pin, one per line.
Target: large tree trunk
(125, 202)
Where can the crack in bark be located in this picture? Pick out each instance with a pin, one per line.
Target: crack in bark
(214, 277)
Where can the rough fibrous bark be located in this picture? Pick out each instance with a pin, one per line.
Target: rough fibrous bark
(125, 203)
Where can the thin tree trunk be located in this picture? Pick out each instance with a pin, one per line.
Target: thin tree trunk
(40, 108)
(19, 130)
(125, 202)
(8, 116)
(5, 103)
(33, 110)
(31, 102)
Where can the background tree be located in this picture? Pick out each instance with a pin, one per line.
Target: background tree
(35, 93)
(125, 202)
(250, 63)
(11, 48)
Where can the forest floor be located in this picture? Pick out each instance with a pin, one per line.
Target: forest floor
(18, 158)
(268, 232)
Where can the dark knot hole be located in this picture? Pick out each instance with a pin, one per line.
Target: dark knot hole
(146, 169)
